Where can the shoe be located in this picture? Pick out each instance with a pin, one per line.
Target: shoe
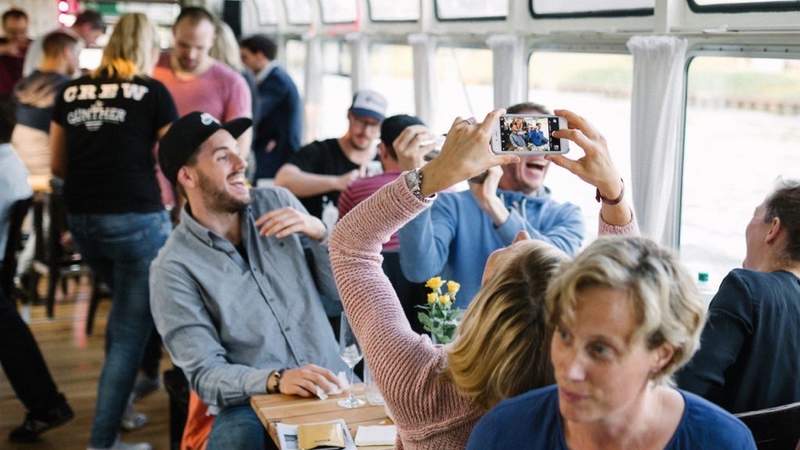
(119, 445)
(145, 386)
(131, 419)
(34, 425)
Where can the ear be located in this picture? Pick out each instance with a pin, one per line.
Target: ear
(661, 357)
(774, 231)
(187, 177)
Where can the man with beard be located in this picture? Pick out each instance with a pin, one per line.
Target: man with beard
(458, 233)
(321, 170)
(232, 294)
(197, 81)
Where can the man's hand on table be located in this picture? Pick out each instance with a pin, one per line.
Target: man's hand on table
(303, 381)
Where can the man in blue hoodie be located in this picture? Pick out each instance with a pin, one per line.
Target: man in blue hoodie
(455, 237)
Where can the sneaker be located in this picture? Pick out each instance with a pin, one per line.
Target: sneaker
(131, 419)
(145, 386)
(119, 445)
(35, 425)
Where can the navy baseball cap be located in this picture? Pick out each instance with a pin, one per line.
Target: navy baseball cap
(368, 103)
(187, 134)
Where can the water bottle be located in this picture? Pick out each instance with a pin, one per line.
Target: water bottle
(704, 287)
(374, 396)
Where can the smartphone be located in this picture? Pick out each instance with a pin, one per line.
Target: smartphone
(529, 134)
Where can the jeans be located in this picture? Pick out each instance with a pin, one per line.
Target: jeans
(119, 249)
(238, 428)
(23, 363)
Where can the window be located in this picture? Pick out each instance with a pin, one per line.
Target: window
(471, 9)
(463, 84)
(587, 8)
(265, 9)
(741, 134)
(338, 11)
(391, 73)
(298, 12)
(336, 89)
(393, 11)
(743, 5)
(295, 58)
(598, 87)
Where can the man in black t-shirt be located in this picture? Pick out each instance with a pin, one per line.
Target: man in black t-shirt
(321, 170)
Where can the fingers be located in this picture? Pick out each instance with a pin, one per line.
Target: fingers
(575, 121)
(327, 374)
(502, 160)
(563, 161)
(491, 120)
(577, 137)
(522, 235)
(281, 223)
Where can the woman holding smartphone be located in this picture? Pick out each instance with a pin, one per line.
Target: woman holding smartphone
(436, 394)
(104, 128)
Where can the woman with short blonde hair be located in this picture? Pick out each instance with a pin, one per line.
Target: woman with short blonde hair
(103, 130)
(626, 316)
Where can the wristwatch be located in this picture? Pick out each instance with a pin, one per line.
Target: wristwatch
(274, 381)
(614, 201)
(414, 183)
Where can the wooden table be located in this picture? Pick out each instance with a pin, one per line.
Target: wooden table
(275, 408)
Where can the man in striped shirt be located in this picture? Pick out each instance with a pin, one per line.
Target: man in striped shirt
(405, 140)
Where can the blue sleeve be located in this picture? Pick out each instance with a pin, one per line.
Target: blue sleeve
(425, 242)
(484, 435)
(728, 326)
(565, 232)
(270, 95)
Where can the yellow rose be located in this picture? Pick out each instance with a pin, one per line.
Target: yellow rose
(433, 297)
(444, 300)
(434, 283)
(453, 287)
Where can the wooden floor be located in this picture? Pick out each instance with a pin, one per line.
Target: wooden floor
(75, 361)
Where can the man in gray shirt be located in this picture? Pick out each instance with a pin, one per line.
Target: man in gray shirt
(232, 293)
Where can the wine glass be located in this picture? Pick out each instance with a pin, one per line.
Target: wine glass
(351, 354)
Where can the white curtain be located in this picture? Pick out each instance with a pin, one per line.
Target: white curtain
(658, 91)
(509, 69)
(424, 51)
(359, 61)
(313, 87)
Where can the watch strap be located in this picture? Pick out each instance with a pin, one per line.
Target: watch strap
(608, 201)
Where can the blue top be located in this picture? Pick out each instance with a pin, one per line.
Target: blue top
(537, 137)
(454, 237)
(749, 353)
(532, 421)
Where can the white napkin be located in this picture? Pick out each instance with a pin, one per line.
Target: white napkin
(376, 435)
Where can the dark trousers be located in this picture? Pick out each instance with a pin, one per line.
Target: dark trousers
(23, 363)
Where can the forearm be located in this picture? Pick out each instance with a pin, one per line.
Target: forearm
(421, 254)
(304, 184)
(228, 384)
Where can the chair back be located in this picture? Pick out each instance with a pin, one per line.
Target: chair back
(774, 428)
(9, 267)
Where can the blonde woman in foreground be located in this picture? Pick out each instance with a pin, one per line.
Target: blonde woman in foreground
(626, 316)
(103, 131)
(437, 394)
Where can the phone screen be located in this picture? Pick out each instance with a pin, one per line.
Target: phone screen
(529, 133)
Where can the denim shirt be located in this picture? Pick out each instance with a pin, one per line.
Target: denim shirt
(227, 320)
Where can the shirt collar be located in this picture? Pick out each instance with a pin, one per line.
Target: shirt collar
(207, 236)
(264, 73)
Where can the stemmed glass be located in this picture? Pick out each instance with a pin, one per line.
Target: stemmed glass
(351, 354)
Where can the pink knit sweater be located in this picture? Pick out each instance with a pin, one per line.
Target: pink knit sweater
(428, 409)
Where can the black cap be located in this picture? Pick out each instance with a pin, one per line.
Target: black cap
(187, 134)
(392, 126)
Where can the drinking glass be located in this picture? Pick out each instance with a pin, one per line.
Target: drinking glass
(351, 354)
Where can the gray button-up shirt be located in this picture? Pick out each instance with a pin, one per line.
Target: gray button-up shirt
(228, 321)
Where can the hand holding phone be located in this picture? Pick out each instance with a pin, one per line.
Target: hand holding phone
(528, 134)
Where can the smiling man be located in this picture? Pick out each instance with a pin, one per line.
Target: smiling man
(457, 234)
(232, 294)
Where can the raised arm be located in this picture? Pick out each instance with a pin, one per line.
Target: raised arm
(305, 184)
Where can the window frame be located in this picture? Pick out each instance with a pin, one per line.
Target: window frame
(373, 20)
(744, 7)
(715, 50)
(258, 13)
(287, 16)
(439, 18)
(326, 22)
(635, 12)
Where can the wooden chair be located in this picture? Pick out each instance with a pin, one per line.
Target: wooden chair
(775, 428)
(9, 263)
